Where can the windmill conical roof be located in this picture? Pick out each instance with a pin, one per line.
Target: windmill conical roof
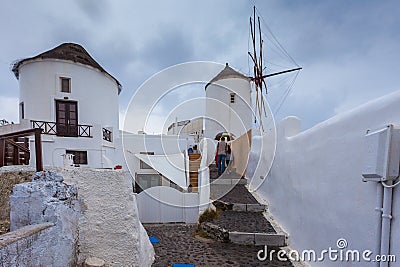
(227, 73)
(66, 51)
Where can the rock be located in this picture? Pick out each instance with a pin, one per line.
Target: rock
(94, 262)
(47, 176)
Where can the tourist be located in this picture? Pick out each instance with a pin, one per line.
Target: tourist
(228, 158)
(221, 150)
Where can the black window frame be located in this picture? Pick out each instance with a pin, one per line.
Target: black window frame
(232, 98)
(80, 156)
(22, 109)
(62, 79)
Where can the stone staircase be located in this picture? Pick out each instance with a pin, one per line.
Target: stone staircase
(240, 216)
(194, 166)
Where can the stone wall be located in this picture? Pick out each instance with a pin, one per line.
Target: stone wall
(28, 246)
(44, 217)
(10, 176)
(92, 213)
(48, 199)
(215, 232)
(109, 227)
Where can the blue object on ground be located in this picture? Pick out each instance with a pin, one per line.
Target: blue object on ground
(154, 240)
(182, 265)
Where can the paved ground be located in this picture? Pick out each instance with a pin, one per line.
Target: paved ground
(241, 221)
(179, 245)
(239, 194)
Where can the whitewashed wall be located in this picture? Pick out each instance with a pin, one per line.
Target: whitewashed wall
(315, 188)
(96, 92)
(221, 115)
(163, 204)
(109, 227)
(159, 144)
(99, 154)
(97, 97)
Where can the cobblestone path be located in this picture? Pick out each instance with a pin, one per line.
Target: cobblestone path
(179, 245)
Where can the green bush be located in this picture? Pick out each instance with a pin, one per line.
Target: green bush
(208, 215)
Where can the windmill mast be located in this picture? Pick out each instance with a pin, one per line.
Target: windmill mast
(258, 75)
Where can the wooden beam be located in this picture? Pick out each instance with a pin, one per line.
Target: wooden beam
(38, 151)
(2, 151)
(21, 133)
(274, 74)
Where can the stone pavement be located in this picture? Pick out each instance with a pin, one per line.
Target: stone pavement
(241, 221)
(178, 244)
(240, 217)
(239, 194)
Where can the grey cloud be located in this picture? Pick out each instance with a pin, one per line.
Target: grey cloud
(349, 49)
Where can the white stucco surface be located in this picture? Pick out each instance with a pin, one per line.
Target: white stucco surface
(164, 204)
(171, 166)
(96, 95)
(315, 187)
(224, 116)
(109, 228)
(143, 143)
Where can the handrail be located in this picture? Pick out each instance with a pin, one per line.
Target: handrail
(12, 142)
(38, 145)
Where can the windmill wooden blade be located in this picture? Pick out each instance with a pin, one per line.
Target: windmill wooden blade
(259, 68)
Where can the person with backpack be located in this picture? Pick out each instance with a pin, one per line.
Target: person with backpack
(221, 151)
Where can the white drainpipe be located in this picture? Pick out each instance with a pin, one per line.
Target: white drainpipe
(386, 220)
(378, 209)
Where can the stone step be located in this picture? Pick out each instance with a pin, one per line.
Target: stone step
(222, 205)
(257, 239)
(221, 234)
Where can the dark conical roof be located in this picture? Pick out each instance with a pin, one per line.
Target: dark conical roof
(66, 51)
(227, 73)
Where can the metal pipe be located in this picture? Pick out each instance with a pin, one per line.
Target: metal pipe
(386, 222)
(378, 209)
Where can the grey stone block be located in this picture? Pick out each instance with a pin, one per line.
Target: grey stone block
(270, 239)
(255, 207)
(242, 181)
(239, 207)
(241, 238)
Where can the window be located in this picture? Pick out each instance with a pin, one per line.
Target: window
(65, 85)
(143, 165)
(144, 181)
(233, 97)
(22, 110)
(80, 157)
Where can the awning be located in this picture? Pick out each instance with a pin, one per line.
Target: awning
(170, 166)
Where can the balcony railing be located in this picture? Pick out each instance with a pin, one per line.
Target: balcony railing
(61, 129)
(107, 135)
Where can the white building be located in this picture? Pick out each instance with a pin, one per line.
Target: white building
(192, 128)
(65, 92)
(228, 104)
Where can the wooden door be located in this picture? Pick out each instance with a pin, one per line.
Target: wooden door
(67, 118)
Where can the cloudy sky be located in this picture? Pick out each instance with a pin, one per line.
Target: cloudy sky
(349, 49)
